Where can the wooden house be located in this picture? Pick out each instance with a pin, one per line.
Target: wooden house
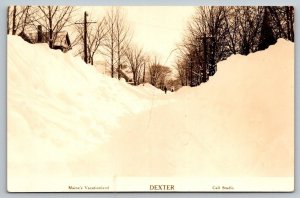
(61, 39)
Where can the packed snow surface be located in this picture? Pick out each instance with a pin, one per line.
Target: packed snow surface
(65, 119)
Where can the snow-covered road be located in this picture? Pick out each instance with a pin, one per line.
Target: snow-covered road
(67, 120)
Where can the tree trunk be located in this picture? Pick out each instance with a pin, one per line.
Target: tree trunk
(119, 57)
(277, 20)
(14, 20)
(134, 78)
(205, 59)
(186, 77)
(267, 37)
(7, 18)
(144, 74)
(191, 72)
(91, 60)
(112, 51)
(288, 22)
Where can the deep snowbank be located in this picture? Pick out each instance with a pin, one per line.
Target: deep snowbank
(67, 120)
(58, 105)
(245, 113)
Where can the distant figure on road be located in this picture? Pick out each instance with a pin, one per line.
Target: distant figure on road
(165, 88)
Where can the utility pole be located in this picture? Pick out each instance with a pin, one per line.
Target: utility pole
(85, 45)
(51, 40)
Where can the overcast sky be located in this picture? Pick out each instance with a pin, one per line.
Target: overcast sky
(155, 28)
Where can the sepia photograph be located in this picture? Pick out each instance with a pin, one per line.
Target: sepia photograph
(150, 98)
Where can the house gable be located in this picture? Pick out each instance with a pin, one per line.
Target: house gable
(62, 40)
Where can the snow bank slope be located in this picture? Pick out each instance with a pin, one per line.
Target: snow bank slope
(59, 105)
(244, 115)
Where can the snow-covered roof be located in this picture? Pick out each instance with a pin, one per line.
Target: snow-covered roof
(62, 38)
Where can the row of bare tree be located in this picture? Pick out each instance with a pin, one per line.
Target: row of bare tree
(214, 33)
(109, 37)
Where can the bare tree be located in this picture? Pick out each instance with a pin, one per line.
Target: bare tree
(232, 29)
(95, 39)
(283, 21)
(122, 38)
(267, 37)
(205, 43)
(54, 19)
(290, 19)
(214, 33)
(27, 17)
(19, 18)
(158, 73)
(182, 61)
(180, 66)
(250, 19)
(136, 61)
(14, 29)
(289, 16)
(111, 43)
(154, 70)
(117, 40)
(145, 66)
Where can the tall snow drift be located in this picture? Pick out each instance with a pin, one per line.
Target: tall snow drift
(67, 120)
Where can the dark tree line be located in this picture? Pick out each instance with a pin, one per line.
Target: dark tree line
(215, 33)
(19, 18)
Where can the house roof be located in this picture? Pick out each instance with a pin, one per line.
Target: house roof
(128, 76)
(62, 38)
